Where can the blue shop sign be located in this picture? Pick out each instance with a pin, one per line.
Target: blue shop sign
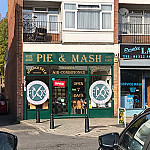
(130, 84)
(135, 51)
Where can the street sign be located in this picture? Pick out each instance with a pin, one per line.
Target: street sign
(37, 92)
(100, 92)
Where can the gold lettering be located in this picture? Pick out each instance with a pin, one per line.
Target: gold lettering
(49, 58)
(78, 95)
(62, 59)
(53, 72)
(78, 83)
(84, 58)
(44, 59)
(39, 56)
(91, 57)
(98, 58)
(75, 59)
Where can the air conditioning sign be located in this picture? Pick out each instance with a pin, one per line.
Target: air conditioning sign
(37, 92)
(100, 92)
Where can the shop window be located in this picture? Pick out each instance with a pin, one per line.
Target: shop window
(37, 70)
(75, 70)
(131, 89)
(37, 91)
(102, 92)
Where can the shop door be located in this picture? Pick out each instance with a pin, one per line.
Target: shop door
(60, 99)
(78, 95)
(69, 96)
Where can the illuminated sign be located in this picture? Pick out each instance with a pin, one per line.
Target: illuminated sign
(131, 84)
(135, 51)
(59, 83)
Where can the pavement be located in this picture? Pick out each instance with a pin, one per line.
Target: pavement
(76, 126)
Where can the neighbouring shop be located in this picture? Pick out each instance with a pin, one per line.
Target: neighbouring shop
(68, 84)
(134, 78)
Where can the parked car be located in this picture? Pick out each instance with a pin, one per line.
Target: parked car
(8, 141)
(136, 136)
(3, 104)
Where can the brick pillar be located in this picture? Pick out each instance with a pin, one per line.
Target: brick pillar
(116, 87)
(14, 68)
(116, 8)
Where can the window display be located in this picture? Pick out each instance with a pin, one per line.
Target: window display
(131, 89)
(38, 91)
(100, 73)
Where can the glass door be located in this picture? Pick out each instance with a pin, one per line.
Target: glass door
(60, 96)
(69, 96)
(78, 95)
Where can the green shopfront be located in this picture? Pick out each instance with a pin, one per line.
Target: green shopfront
(68, 84)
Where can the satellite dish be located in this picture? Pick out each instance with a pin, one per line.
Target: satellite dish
(123, 11)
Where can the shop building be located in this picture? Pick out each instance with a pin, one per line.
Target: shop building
(134, 41)
(66, 56)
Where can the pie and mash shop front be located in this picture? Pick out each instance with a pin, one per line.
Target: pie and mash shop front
(68, 84)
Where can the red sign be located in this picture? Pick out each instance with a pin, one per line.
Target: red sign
(59, 83)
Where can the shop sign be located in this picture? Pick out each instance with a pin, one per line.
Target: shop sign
(59, 83)
(122, 116)
(68, 58)
(135, 51)
(36, 70)
(37, 92)
(100, 92)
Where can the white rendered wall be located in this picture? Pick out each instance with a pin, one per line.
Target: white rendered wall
(103, 37)
(135, 1)
(70, 48)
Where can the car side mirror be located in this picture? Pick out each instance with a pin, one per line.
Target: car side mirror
(8, 141)
(109, 141)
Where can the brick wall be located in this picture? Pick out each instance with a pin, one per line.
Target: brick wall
(116, 65)
(116, 88)
(14, 72)
(116, 8)
(136, 39)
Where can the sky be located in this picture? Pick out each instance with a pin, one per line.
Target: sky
(3, 7)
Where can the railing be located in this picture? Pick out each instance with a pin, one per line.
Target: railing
(41, 31)
(134, 33)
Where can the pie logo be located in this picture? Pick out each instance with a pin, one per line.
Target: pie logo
(37, 92)
(100, 92)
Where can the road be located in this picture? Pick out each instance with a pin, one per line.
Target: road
(30, 138)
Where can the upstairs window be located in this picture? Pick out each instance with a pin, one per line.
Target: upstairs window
(88, 17)
(70, 11)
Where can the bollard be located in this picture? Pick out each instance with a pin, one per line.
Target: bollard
(38, 115)
(52, 122)
(86, 124)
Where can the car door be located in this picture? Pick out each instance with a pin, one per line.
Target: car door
(135, 135)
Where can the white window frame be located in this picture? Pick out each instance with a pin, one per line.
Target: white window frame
(98, 9)
(75, 11)
(34, 11)
(106, 11)
(48, 26)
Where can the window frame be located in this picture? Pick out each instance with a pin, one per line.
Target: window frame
(89, 9)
